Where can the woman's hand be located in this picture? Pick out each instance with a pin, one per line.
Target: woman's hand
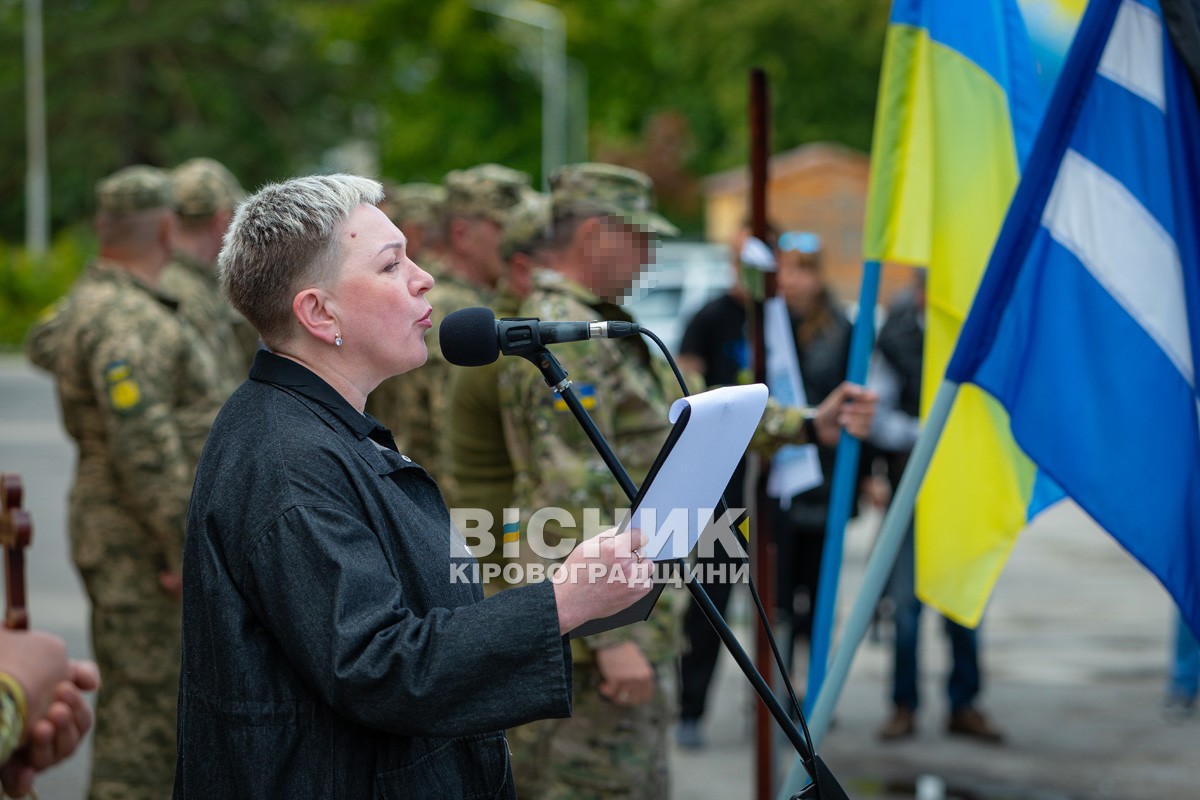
(600, 577)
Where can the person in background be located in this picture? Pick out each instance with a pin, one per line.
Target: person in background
(474, 448)
(822, 337)
(716, 346)
(895, 374)
(1184, 683)
(476, 209)
(602, 235)
(205, 195)
(43, 713)
(418, 209)
(138, 392)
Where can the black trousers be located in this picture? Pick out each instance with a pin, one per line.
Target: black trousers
(699, 662)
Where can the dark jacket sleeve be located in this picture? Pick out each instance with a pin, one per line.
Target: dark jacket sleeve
(364, 635)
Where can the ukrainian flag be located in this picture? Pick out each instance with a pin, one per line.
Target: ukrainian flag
(960, 101)
(586, 394)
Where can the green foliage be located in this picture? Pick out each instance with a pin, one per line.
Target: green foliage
(30, 285)
(444, 92)
(269, 86)
(821, 57)
(135, 81)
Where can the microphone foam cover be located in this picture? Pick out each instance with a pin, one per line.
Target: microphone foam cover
(468, 337)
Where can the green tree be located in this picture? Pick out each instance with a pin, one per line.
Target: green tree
(135, 81)
(821, 58)
(433, 85)
(267, 86)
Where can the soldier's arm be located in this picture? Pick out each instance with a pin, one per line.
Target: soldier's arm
(42, 340)
(133, 374)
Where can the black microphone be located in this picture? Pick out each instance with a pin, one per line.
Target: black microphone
(472, 337)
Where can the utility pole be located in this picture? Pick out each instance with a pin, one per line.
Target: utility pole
(37, 182)
(552, 23)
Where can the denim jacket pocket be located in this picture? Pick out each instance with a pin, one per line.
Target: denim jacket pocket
(466, 768)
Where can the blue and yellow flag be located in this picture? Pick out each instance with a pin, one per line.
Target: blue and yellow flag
(1087, 324)
(961, 96)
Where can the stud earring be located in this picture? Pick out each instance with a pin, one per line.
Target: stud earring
(337, 341)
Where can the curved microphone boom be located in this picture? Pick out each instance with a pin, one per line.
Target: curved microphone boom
(472, 337)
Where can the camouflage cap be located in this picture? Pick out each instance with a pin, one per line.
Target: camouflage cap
(419, 203)
(606, 189)
(486, 190)
(527, 223)
(135, 188)
(204, 186)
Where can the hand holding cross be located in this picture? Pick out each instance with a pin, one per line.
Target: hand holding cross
(16, 533)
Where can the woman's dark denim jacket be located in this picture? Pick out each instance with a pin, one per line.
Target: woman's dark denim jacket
(330, 647)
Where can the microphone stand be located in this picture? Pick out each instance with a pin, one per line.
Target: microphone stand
(823, 784)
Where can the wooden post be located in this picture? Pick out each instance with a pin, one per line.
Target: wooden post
(763, 549)
(16, 533)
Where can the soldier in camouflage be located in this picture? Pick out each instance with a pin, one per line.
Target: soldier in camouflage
(477, 204)
(474, 453)
(138, 394)
(417, 209)
(205, 195)
(604, 230)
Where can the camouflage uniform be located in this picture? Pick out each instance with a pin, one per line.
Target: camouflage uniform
(605, 749)
(475, 455)
(414, 204)
(192, 284)
(407, 205)
(204, 187)
(413, 403)
(41, 340)
(138, 394)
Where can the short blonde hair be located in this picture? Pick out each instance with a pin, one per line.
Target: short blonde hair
(281, 240)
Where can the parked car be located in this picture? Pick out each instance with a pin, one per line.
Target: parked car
(684, 277)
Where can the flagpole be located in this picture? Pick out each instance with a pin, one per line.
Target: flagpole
(879, 567)
(842, 491)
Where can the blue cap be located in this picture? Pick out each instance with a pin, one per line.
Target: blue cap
(800, 241)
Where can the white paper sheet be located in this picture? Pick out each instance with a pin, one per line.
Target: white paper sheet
(681, 497)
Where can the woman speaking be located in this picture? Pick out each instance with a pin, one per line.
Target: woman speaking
(328, 648)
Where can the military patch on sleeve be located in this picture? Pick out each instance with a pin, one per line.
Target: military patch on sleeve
(124, 394)
(586, 393)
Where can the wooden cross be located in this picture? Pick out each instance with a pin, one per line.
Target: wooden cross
(16, 533)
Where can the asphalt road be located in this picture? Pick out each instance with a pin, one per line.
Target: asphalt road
(1075, 647)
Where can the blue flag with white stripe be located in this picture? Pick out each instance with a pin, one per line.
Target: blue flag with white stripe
(1086, 326)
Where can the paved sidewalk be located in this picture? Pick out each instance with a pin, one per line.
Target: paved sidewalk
(1075, 652)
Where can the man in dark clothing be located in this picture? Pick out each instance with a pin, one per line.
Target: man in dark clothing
(896, 376)
(714, 345)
